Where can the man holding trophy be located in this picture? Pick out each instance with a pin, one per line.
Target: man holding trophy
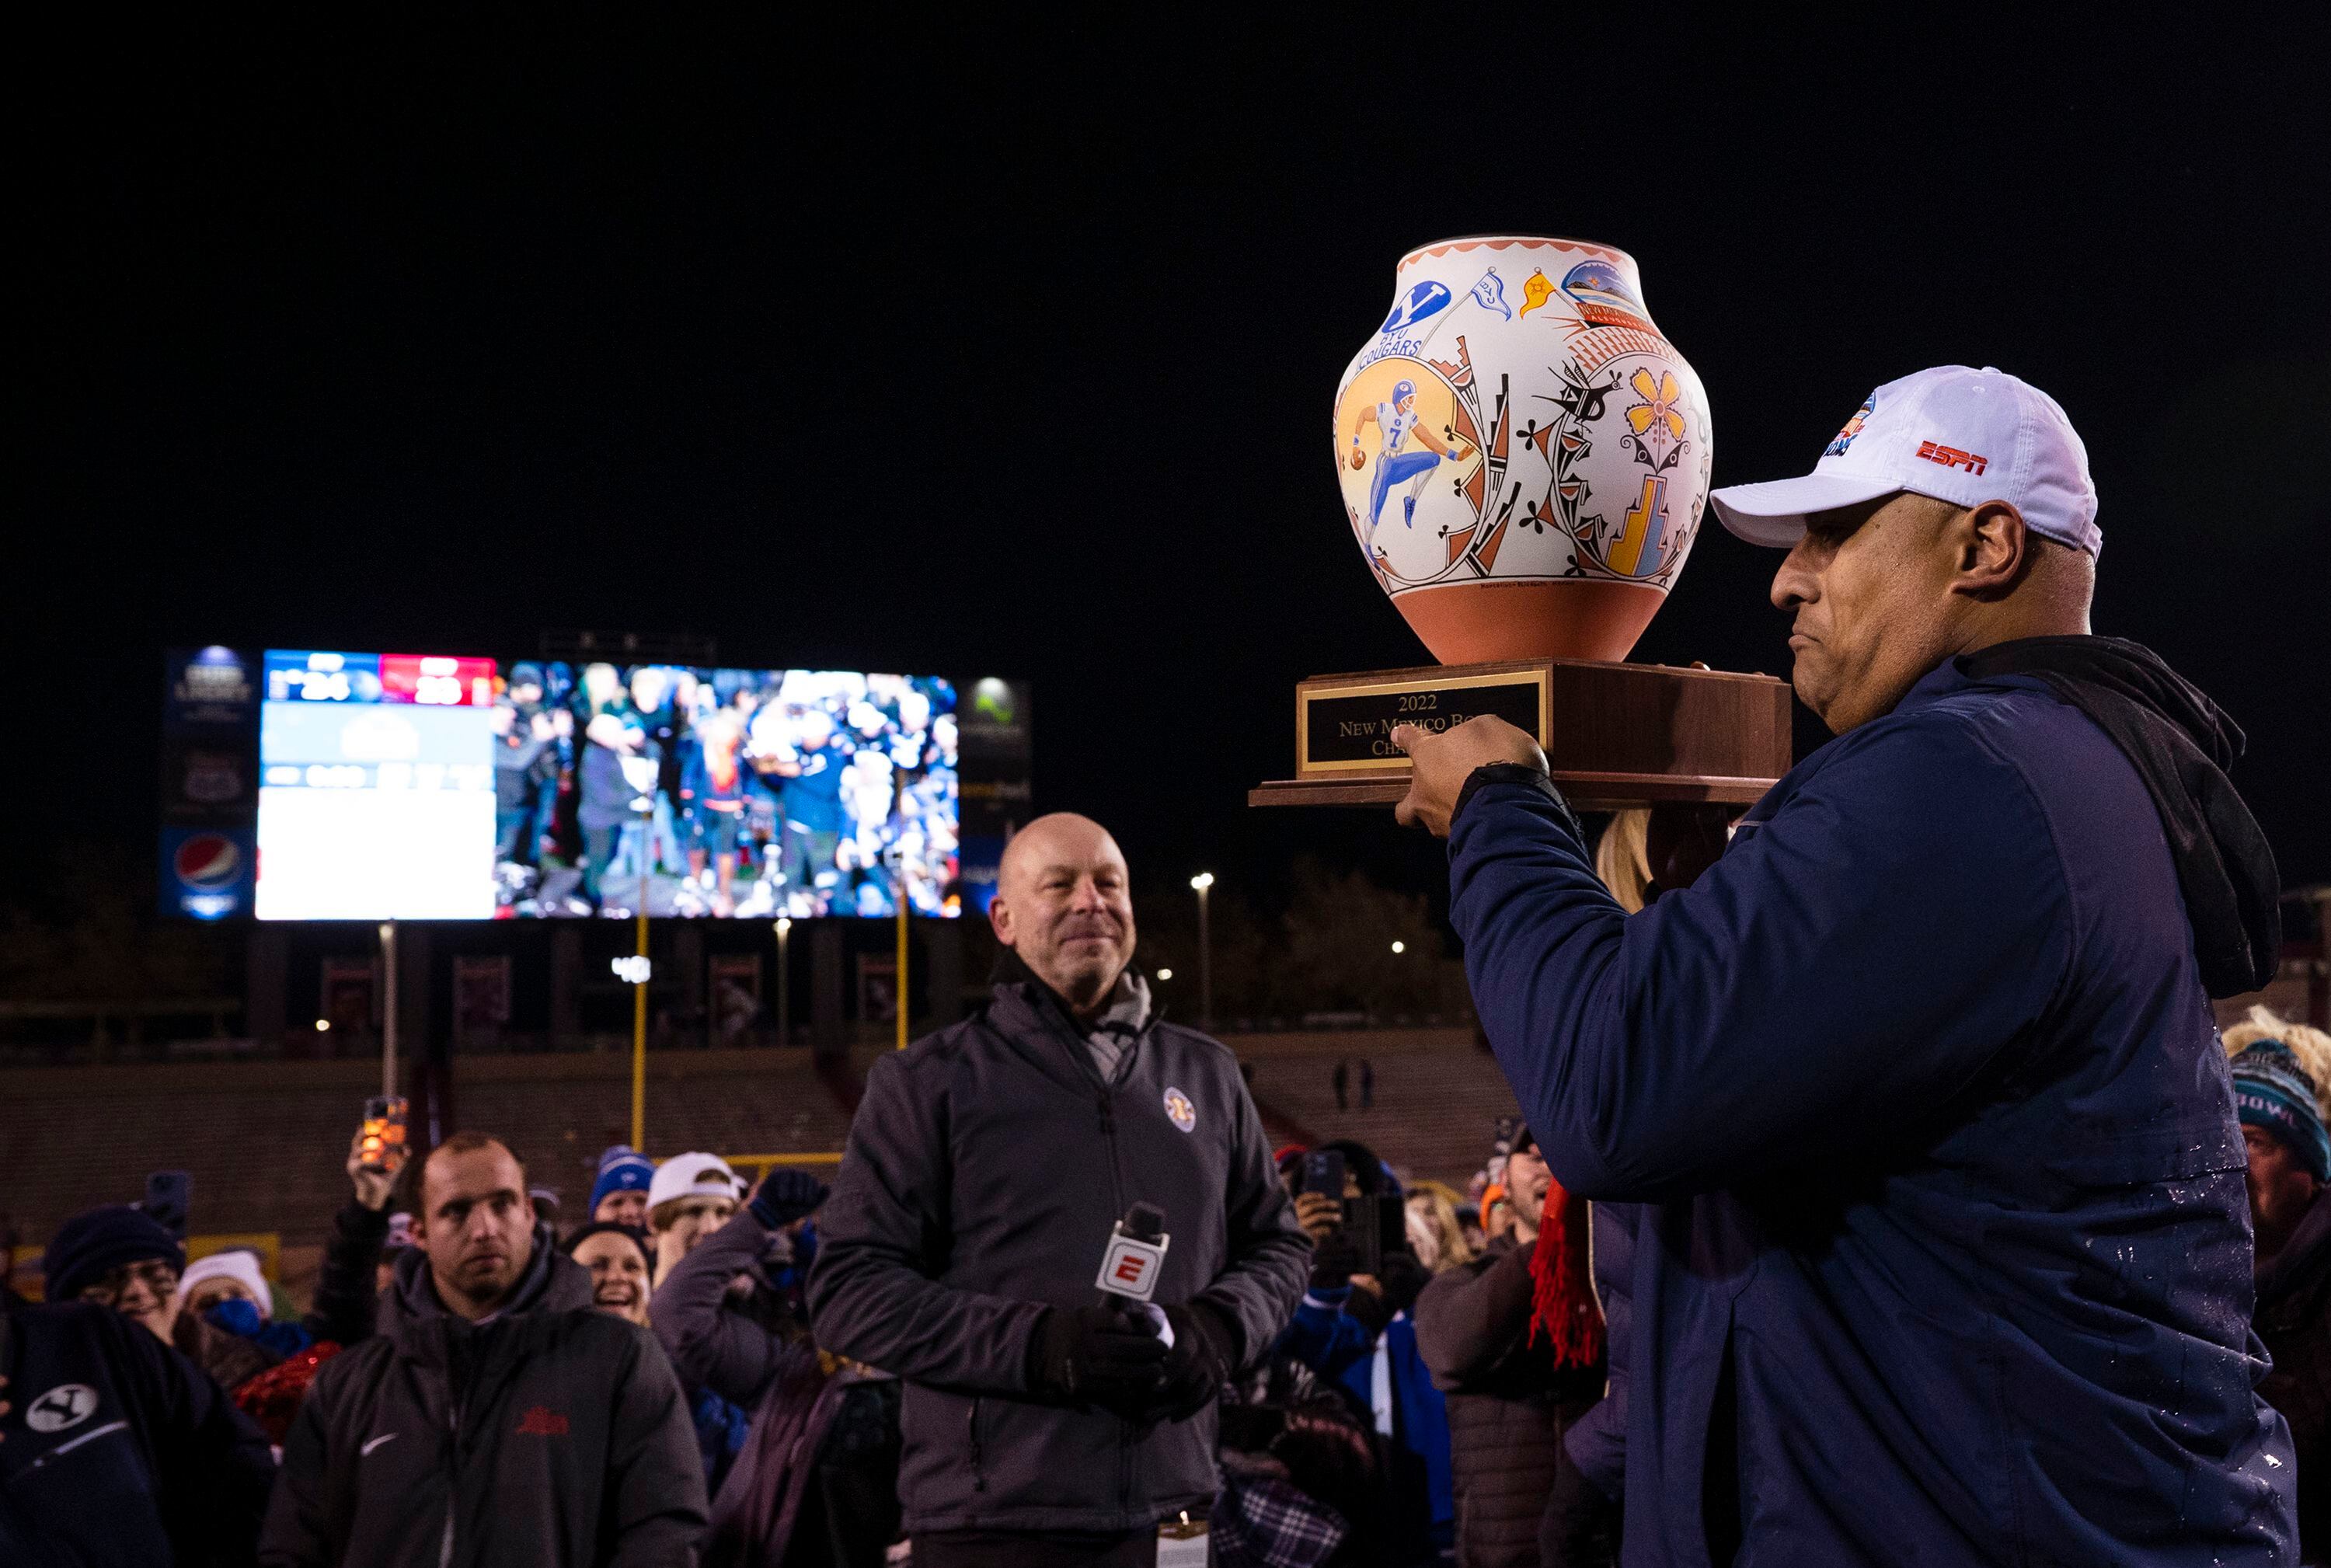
(1949, 1257)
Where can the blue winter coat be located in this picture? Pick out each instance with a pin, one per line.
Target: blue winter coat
(1335, 1345)
(1922, 1081)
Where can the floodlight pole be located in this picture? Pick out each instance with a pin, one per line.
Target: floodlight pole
(388, 1010)
(1200, 883)
(784, 983)
(640, 985)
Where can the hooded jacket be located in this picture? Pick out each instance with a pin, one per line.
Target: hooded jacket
(986, 1168)
(2181, 744)
(550, 1433)
(1949, 1244)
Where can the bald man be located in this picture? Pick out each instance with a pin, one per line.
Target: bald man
(986, 1166)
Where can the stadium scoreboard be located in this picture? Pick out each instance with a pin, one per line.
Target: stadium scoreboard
(327, 785)
(376, 787)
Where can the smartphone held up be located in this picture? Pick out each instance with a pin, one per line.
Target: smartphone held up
(380, 1143)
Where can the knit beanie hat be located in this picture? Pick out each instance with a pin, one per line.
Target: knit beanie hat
(94, 1243)
(621, 1170)
(239, 1265)
(2273, 1092)
(631, 1233)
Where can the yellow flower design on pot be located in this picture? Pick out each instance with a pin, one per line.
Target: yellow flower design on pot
(1658, 405)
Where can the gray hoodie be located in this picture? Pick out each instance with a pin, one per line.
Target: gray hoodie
(986, 1167)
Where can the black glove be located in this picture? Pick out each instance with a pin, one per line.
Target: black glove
(1200, 1363)
(1367, 1308)
(1403, 1280)
(1334, 1261)
(1096, 1356)
(785, 1195)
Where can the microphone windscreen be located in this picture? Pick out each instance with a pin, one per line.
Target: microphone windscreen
(1145, 1221)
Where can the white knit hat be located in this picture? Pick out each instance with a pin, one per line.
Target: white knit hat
(239, 1265)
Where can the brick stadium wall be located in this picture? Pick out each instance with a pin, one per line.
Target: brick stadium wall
(265, 1141)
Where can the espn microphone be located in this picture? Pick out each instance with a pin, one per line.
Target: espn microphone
(1136, 1256)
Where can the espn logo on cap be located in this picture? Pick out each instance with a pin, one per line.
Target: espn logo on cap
(1130, 1268)
(1952, 457)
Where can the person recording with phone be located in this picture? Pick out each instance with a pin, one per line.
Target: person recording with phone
(1355, 1328)
(219, 1314)
(991, 1184)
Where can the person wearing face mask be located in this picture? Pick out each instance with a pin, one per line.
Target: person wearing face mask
(986, 1166)
(121, 1257)
(498, 1416)
(1944, 1251)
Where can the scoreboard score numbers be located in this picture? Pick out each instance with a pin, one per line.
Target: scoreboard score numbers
(430, 679)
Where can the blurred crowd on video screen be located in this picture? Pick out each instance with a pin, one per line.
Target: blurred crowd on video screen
(755, 792)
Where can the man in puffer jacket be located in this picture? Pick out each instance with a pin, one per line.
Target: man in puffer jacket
(1508, 1399)
(496, 1418)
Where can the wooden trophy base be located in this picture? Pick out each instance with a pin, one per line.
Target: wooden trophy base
(1615, 734)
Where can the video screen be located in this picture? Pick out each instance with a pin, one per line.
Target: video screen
(578, 791)
(747, 793)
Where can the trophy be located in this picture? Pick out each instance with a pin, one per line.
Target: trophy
(1524, 459)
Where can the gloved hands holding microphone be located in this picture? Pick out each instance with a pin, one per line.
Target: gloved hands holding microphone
(1117, 1360)
(1142, 1362)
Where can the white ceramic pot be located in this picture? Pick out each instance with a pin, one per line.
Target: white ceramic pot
(1524, 457)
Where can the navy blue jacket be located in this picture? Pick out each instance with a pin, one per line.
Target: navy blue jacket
(1922, 1082)
(118, 1449)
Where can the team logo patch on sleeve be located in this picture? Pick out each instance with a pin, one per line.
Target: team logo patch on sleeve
(63, 1407)
(1179, 1110)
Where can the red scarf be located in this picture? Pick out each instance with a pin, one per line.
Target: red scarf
(1562, 1287)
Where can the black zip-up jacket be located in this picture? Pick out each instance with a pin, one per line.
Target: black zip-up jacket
(552, 1434)
(118, 1449)
(986, 1166)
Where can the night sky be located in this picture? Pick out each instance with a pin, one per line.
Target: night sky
(1012, 351)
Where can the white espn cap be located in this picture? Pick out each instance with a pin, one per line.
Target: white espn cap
(1959, 435)
(693, 1175)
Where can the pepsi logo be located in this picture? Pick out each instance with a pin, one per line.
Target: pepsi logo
(207, 861)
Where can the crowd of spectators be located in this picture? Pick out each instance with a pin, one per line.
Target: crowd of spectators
(1354, 1369)
(1442, 1400)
